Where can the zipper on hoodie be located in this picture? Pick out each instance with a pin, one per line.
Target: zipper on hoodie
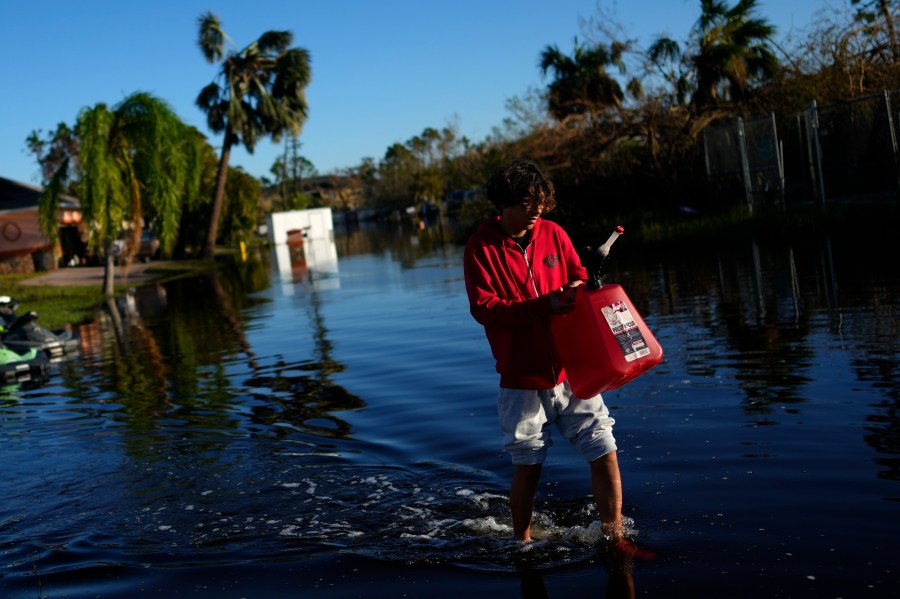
(549, 338)
(550, 343)
(528, 269)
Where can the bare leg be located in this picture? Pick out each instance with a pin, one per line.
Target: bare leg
(521, 499)
(606, 482)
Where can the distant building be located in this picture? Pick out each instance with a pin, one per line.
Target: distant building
(23, 247)
(338, 192)
(335, 191)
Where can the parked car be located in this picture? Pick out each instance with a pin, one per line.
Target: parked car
(148, 249)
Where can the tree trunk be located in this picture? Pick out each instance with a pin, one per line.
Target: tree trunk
(116, 318)
(109, 273)
(209, 250)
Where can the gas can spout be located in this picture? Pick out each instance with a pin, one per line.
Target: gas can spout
(594, 259)
(604, 249)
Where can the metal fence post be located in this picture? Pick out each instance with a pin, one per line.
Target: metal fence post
(803, 146)
(706, 154)
(779, 159)
(812, 121)
(745, 164)
(893, 131)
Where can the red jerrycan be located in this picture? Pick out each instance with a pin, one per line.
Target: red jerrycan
(603, 342)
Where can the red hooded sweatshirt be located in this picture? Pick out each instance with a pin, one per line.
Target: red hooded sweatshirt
(507, 288)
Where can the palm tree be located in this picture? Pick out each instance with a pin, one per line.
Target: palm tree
(581, 81)
(135, 160)
(732, 51)
(259, 91)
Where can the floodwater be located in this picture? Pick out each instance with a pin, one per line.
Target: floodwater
(303, 431)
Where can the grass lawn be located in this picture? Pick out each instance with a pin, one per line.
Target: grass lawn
(58, 306)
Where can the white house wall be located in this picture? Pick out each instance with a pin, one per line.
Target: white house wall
(319, 249)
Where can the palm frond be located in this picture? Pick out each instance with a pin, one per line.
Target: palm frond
(211, 38)
(292, 74)
(274, 42)
(664, 48)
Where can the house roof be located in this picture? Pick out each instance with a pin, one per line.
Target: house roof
(16, 196)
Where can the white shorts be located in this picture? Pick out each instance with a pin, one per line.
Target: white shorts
(526, 417)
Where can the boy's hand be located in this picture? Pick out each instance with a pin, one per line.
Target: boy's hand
(562, 301)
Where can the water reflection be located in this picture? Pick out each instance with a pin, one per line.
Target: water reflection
(403, 240)
(618, 569)
(757, 311)
(247, 418)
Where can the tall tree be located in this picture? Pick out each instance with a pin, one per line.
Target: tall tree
(733, 51)
(581, 81)
(259, 91)
(135, 160)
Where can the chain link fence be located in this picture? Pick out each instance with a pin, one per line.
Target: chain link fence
(843, 151)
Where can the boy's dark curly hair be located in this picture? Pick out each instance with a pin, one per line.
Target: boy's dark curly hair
(521, 183)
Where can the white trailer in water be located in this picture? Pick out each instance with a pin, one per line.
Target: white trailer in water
(303, 243)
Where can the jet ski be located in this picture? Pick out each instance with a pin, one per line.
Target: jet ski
(16, 367)
(22, 333)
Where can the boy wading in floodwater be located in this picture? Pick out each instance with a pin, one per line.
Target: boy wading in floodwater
(521, 271)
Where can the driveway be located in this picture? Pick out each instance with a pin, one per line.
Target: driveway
(93, 275)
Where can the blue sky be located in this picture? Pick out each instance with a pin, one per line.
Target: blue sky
(383, 71)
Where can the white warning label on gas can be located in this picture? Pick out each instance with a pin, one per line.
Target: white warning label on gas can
(625, 330)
